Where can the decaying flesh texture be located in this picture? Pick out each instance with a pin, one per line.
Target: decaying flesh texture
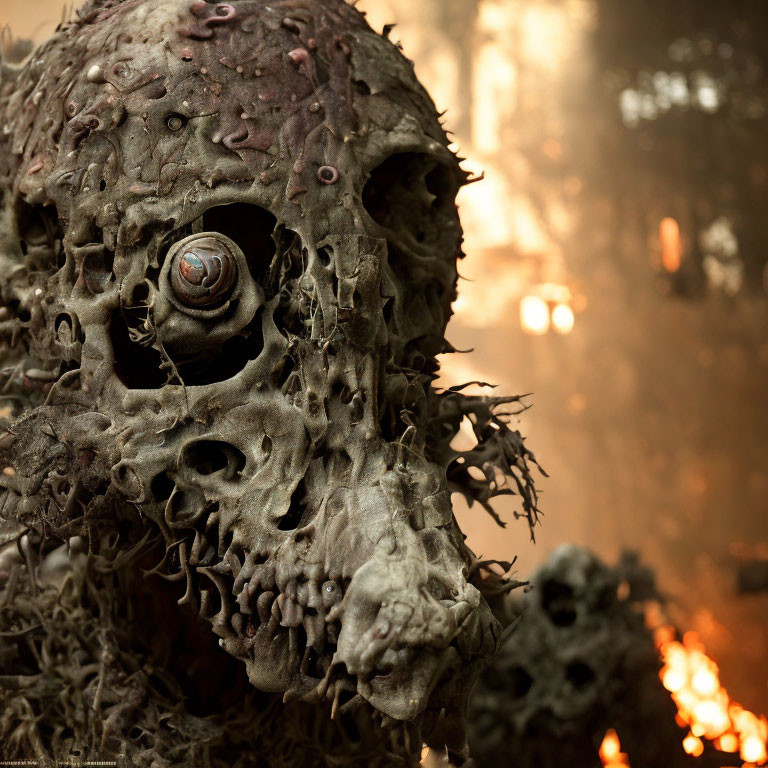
(229, 247)
(581, 661)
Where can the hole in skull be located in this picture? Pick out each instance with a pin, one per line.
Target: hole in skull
(214, 366)
(313, 668)
(136, 365)
(252, 228)
(342, 391)
(210, 457)
(519, 682)
(39, 232)
(97, 268)
(558, 600)
(291, 520)
(579, 674)
(414, 196)
(325, 255)
(283, 371)
(162, 486)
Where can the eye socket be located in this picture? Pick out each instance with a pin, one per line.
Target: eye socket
(176, 122)
(204, 272)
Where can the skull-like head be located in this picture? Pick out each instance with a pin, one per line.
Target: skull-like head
(230, 240)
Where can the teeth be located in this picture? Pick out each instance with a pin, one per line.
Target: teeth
(233, 562)
(264, 606)
(237, 623)
(314, 625)
(200, 544)
(266, 576)
(242, 577)
(205, 604)
(210, 556)
(293, 613)
(277, 608)
(213, 519)
(244, 602)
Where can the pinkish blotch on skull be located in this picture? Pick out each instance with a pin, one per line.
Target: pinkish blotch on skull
(229, 246)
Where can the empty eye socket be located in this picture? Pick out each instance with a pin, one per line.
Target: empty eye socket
(204, 272)
(175, 122)
(414, 195)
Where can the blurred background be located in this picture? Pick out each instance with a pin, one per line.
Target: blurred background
(616, 269)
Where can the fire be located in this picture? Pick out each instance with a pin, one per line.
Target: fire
(671, 249)
(704, 706)
(610, 751)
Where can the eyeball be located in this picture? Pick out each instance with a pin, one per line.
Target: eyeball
(204, 272)
(175, 122)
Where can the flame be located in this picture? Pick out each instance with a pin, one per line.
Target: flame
(610, 751)
(704, 706)
(671, 250)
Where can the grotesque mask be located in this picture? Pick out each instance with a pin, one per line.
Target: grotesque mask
(229, 247)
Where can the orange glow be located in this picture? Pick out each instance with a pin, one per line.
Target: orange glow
(693, 745)
(563, 319)
(610, 751)
(534, 315)
(704, 706)
(671, 250)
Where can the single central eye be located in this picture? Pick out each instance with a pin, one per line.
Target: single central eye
(175, 122)
(204, 272)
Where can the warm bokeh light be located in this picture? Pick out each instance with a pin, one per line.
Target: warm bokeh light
(671, 249)
(611, 755)
(563, 319)
(534, 315)
(523, 105)
(704, 706)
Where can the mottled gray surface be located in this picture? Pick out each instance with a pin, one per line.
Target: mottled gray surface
(229, 243)
(580, 662)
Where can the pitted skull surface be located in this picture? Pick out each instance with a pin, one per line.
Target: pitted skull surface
(230, 242)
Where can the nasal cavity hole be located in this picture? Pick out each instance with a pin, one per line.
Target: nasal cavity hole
(297, 508)
(211, 457)
(579, 674)
(252, 228)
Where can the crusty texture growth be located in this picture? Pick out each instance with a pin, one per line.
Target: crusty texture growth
(581, 661)
(229, 242)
